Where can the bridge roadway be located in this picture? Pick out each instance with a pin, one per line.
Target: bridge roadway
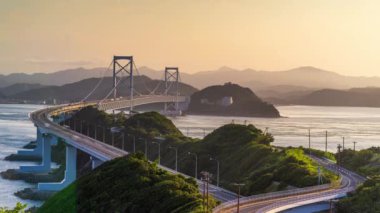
(349, 182)
(104, 152)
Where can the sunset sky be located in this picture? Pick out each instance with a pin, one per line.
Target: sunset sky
(50, 35)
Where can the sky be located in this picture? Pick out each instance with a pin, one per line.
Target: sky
(49, 35)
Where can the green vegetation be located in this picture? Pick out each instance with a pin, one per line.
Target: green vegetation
(19, 208)
(244, 152)
(365, 199)
(244, 102)
(245, 155)
(130, 184)
(365, 162)
(320, 153)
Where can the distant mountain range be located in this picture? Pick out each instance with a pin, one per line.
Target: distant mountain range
(267, 84)
(77, 91)
(358, 97)
(295, 86)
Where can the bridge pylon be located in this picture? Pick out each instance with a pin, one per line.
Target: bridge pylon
(171, 77)
(123, 64)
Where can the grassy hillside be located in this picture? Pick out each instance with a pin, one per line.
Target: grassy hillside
(245, 155)
(130, 184)
(244, 152)
(366, 162)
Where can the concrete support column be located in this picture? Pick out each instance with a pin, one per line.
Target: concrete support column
(95, 162)
(36, 151)
(70, 173)
(45, 165)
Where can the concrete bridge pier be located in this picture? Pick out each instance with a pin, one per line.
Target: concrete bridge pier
(70, 173)
(36, 151)
(45, 166)
(95, 162)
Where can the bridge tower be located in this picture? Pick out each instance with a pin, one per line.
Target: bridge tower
(123, 64)
(171, 77)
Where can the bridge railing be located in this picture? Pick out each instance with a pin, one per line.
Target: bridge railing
(271, 195)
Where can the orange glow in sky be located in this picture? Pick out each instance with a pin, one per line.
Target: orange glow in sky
(49, 35)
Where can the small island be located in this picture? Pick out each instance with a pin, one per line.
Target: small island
(230, 100)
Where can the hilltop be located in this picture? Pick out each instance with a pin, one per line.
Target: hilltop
(246, 155)
(134, 186)
(230, 100)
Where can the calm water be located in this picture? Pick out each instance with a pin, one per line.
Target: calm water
(15, 131)
(356, 124)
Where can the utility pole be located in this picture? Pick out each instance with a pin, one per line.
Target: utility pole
(176, 156)
(320, 180)
(113, 138)
(206, 178)
(81, 126)
(238, 195)
(134, 144)
(203, 193)
(159, 151)
(95, 131)
(217, 170)
(196, 163)
(146, 147)
(309, 143)
(326, 143)
(104, 134)
(354, 145)
(123, 141)
(339, 159)
(343, 143)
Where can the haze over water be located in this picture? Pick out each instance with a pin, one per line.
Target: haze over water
(359, 124)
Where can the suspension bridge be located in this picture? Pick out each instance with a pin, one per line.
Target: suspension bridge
(49, 131)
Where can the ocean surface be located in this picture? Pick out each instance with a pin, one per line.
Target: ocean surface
(15, 131)
(358, 124)
(354, 123)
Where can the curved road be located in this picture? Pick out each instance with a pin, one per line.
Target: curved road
(349, 182)
(97, 149)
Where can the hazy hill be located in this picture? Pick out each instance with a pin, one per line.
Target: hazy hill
(55, 78)
(17, 88)
(267, 84)
(78, 90)
(309, 77)
(209, 101)
(363, 97)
